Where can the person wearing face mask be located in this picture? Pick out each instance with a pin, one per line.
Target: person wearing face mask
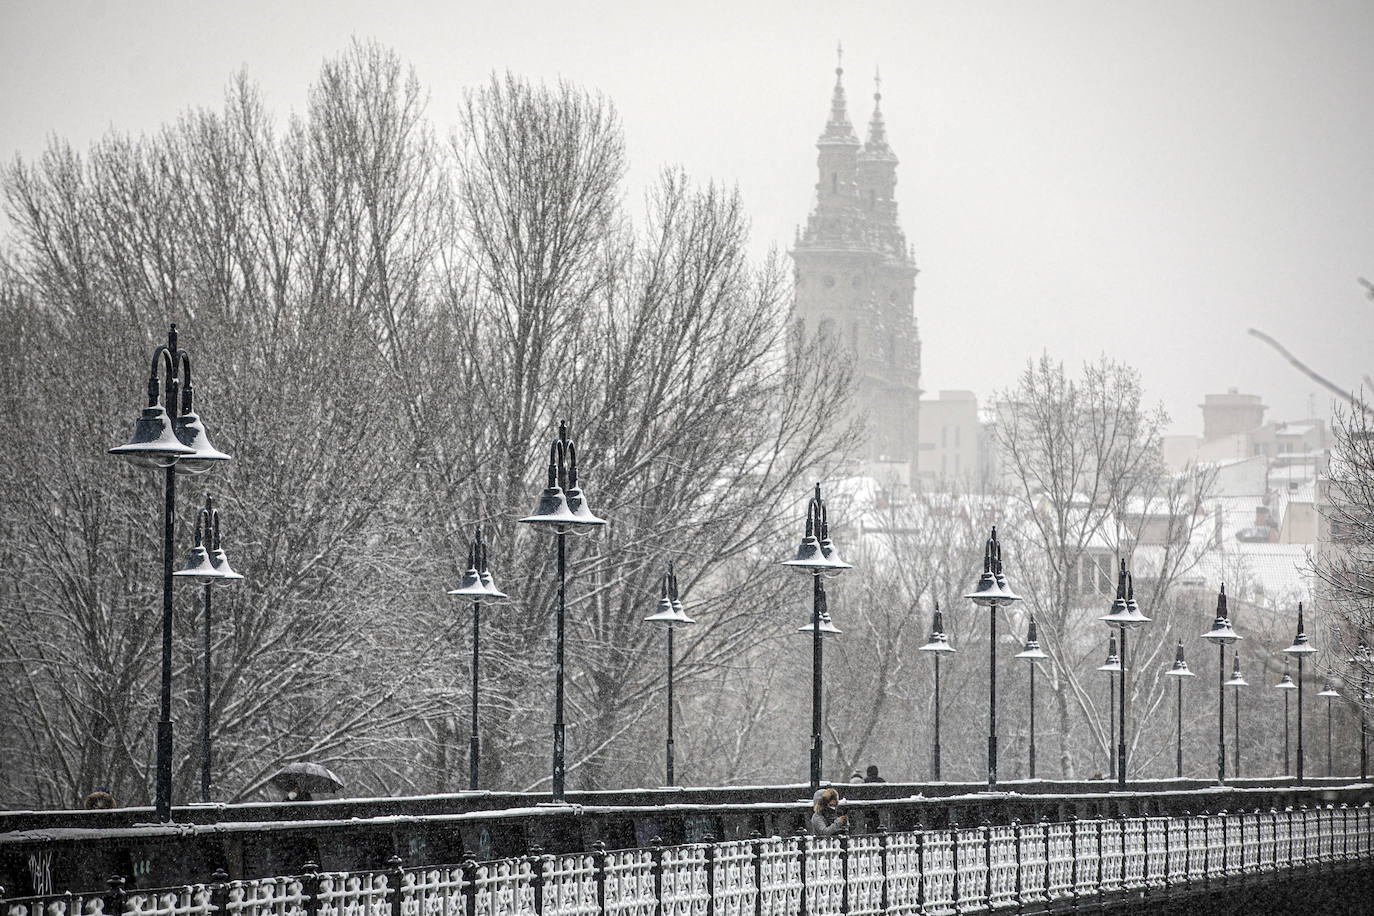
(825, 817)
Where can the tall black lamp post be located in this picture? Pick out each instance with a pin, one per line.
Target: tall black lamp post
(1330, 692)
(1032, 653)
(179, 446)
(1287, 686)
(937, 645)
(212, 567)
(990, 591)
(1235, 683)
(1113, 667)
(669, 615)
(1223, 635)
(562, 507)
(476, 584)
(817, 556)
(1124, 615)
(1179, 671)
(1300, 648)
(1361, 661)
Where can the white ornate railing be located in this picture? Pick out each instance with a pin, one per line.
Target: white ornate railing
(957, 870)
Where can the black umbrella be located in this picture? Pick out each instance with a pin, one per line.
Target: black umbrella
(306, 777)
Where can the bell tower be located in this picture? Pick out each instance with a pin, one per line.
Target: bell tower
(856, 282)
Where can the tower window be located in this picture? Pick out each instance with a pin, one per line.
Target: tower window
(834, 183)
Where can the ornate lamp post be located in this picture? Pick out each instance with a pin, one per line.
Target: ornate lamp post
(669, 615)
(1113, 667)
(817, 556)
(476, 584)
(1235, 683)
(212, 566)
(1222, 635)
(1179, 671)
(562, 507)
(1124, 615)
(1300, 648)
(1361, 661)
(1329, 691)
(1032, 653)
(1286, 685)
(990, 591)
(937, 645)
(178, 446)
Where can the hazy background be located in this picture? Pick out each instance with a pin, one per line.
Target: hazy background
(1146, 179)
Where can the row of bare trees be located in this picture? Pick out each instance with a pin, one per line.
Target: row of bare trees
(386, 324)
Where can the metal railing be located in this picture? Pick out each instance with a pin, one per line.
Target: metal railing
(955, 870)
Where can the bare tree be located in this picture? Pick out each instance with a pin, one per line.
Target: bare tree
(385, 330)
(1082, 459)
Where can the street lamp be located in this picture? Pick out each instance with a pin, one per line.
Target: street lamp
(1179, 671)
(1300, 648)
(1328, 691)
(669, 615)
(476, 584)
(1124, 615)
(937, 646)
(1223, 635)
(1236, 682)
(562, 507)
(817, 556)
(178, 446)
(1361, 661)
(990, 591)
(213, 567)
(1113, 667)
(1032, 654)
(1286, 685)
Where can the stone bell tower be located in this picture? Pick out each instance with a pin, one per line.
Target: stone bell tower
(856, 282)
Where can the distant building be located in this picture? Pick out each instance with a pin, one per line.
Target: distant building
(1233, 428)
(1230, 414)
(855, 284)
(950, 440)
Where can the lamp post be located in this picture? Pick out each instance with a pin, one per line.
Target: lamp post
(476, 584)
(817, 556)
(1329, 691)
(178, 446)
(937, 645)
(1113, 667)
(213, 567)
(1286, 685)
(1124, 615)
(990, 591)
(1235, 683)
(669, 615)
(1032, 653)
(562, 507)
(1223, 635)
(1300, 648)
(1179, 671)
(1361, 661)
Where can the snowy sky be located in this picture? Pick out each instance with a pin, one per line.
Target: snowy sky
(1144, 178)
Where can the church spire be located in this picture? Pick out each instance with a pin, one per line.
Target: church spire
(876, 147)
(838, 130)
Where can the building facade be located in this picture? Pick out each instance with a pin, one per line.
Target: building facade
(855, 283)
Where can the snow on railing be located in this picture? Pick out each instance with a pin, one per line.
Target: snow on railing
(956, 870)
